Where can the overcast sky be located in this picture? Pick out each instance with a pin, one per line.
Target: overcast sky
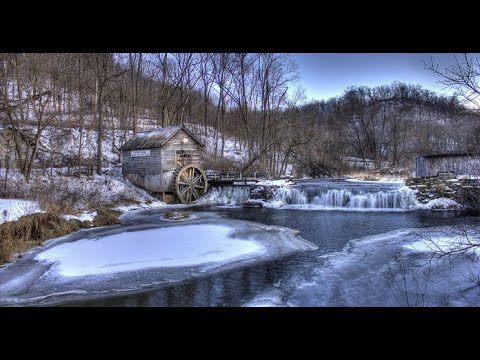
(327, 75)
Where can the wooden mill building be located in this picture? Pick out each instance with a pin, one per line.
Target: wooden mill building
(454, 163)
(166, 163)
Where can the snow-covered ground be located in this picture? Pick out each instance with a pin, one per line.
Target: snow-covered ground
(440, 203)
(153, 204)
(232, 148)
(105, 261)
(281, 182)
(84, 216)
(84, 192)
(383, 179)
(12, 209)
(66, 141)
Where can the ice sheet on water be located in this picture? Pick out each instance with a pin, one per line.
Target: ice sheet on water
(135, 257)
(370, 272)
(270, 297)
(163, 247)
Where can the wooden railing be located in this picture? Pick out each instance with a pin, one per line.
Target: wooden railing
(234, 176)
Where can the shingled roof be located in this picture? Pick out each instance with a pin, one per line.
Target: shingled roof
(155, 138)
(447, 154)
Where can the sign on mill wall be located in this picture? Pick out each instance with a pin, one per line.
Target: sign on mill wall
(140, 153)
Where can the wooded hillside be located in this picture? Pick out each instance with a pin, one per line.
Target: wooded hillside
(250, 97)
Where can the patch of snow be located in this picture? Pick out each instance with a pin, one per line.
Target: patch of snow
(381, 180)
(232, 149)
(13, 209)
(468, 177)
(281, 182)
(84, 216)
(443, 244)
(270, 204)
(244, 183)
(392, 180)
(102, 189)
(440, 203)
(164, 247)
(143, 205)
(66, 141)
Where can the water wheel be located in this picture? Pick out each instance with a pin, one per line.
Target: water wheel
(190, 184)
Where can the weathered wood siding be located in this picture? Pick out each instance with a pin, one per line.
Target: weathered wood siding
(155, 173)
(144, 164)
(420, 167)
(176, 143)
(144, 171)
(427, 166)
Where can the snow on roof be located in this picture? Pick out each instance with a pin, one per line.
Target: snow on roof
(448, 154)
(155, 138)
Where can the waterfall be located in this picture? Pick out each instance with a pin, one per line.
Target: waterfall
(401, 198)
(226, 195)
(323, 195)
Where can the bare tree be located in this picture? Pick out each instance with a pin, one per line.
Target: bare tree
(462, 76)
(206, 76)
(135, 66)
(26, 93)
(101, 66)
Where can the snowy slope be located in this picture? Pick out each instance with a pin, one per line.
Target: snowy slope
(66, 141)
(12, 209)
(232, 148)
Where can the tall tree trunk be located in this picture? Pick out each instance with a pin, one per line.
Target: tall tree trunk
(98, 116)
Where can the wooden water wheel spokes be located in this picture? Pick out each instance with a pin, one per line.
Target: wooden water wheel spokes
(190, 184)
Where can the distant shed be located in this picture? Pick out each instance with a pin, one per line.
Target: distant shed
(455, 163)
(166, 163)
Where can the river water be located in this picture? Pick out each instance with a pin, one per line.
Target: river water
(331, 215)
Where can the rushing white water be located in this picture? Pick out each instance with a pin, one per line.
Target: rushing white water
(401, 198)
(324, 195)
(226, 195)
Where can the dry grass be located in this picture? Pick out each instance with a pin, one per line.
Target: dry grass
(58, 196)
(54, 207)
(365, 175)
(31, 230)
(71, 195)
(106, 217)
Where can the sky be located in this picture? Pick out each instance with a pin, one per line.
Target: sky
(327, 75)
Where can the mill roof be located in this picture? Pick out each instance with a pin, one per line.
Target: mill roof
(156, 138)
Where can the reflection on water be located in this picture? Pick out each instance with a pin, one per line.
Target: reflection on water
(329, 230)
(225, 289)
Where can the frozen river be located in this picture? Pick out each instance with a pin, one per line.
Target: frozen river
(356, 245)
